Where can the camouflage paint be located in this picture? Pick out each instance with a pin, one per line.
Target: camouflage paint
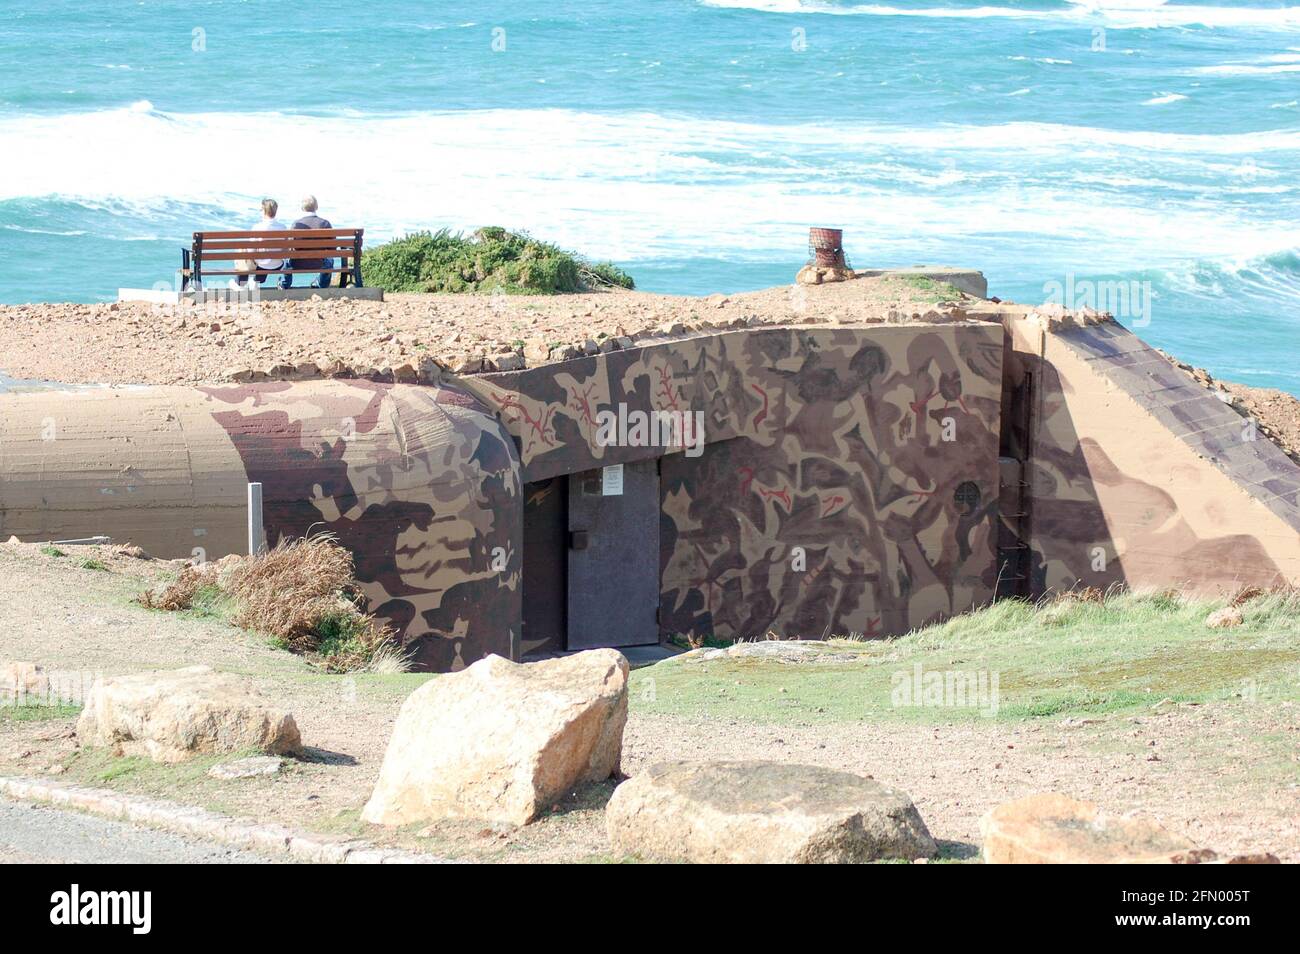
(1138, 475)
(885, 453)
(420, 483)
(831, 440)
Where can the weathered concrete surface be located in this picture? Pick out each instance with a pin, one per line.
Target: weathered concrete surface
(1138, 475)
(503, 741)
(969, 280)
(763, 812)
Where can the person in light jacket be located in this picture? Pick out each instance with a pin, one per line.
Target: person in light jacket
(268, 223)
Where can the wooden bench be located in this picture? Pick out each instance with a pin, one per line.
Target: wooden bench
(216, 253)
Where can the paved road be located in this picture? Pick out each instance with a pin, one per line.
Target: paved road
(35, 834)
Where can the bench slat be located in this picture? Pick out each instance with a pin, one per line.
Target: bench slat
(288, 233)
(275, 237)
(267, 253)
(277, 247)
(305, 245)
(224, 249)
(273, 272)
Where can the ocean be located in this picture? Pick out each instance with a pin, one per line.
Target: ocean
(1144, 149)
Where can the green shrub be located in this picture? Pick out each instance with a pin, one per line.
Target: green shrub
(492, 259)
(607, 273)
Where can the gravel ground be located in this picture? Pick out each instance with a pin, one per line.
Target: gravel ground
(33, 834)
(135, 343)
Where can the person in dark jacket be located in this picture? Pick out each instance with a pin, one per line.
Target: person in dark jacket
(310, 220)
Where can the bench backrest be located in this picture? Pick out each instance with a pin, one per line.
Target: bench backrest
(217, 247)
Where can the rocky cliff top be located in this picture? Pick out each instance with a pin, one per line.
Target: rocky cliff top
(406, 336)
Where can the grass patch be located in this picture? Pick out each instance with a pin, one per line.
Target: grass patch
(1110, 654)
(52, 551)
(210, 601)
(90, 563)
(925, 290)
(38, 713)
(185, 782)
(492, 259)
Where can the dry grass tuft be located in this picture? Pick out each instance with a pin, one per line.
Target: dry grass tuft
(285, 591)
(304, 596)
(177, 595)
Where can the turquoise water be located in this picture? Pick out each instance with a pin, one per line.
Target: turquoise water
(1149, 145)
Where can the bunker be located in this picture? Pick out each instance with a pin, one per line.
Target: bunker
(803, 480)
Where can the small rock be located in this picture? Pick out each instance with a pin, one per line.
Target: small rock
(823, 274)
(508, 362)
(536, 351)
(1224, 618)
(254, 767)
(465, 364)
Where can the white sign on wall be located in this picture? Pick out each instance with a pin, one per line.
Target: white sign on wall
(611, 481)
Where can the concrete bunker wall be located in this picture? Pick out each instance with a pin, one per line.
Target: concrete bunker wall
(848, 482)
(1135, 474)
(421, 484)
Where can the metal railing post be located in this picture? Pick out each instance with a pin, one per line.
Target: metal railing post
(256, 533)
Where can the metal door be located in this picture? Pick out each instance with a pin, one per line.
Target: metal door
(614, 556)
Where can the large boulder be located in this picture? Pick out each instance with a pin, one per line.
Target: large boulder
(503, 741)
(1051, 828)
(173, 715)
(762, 812)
